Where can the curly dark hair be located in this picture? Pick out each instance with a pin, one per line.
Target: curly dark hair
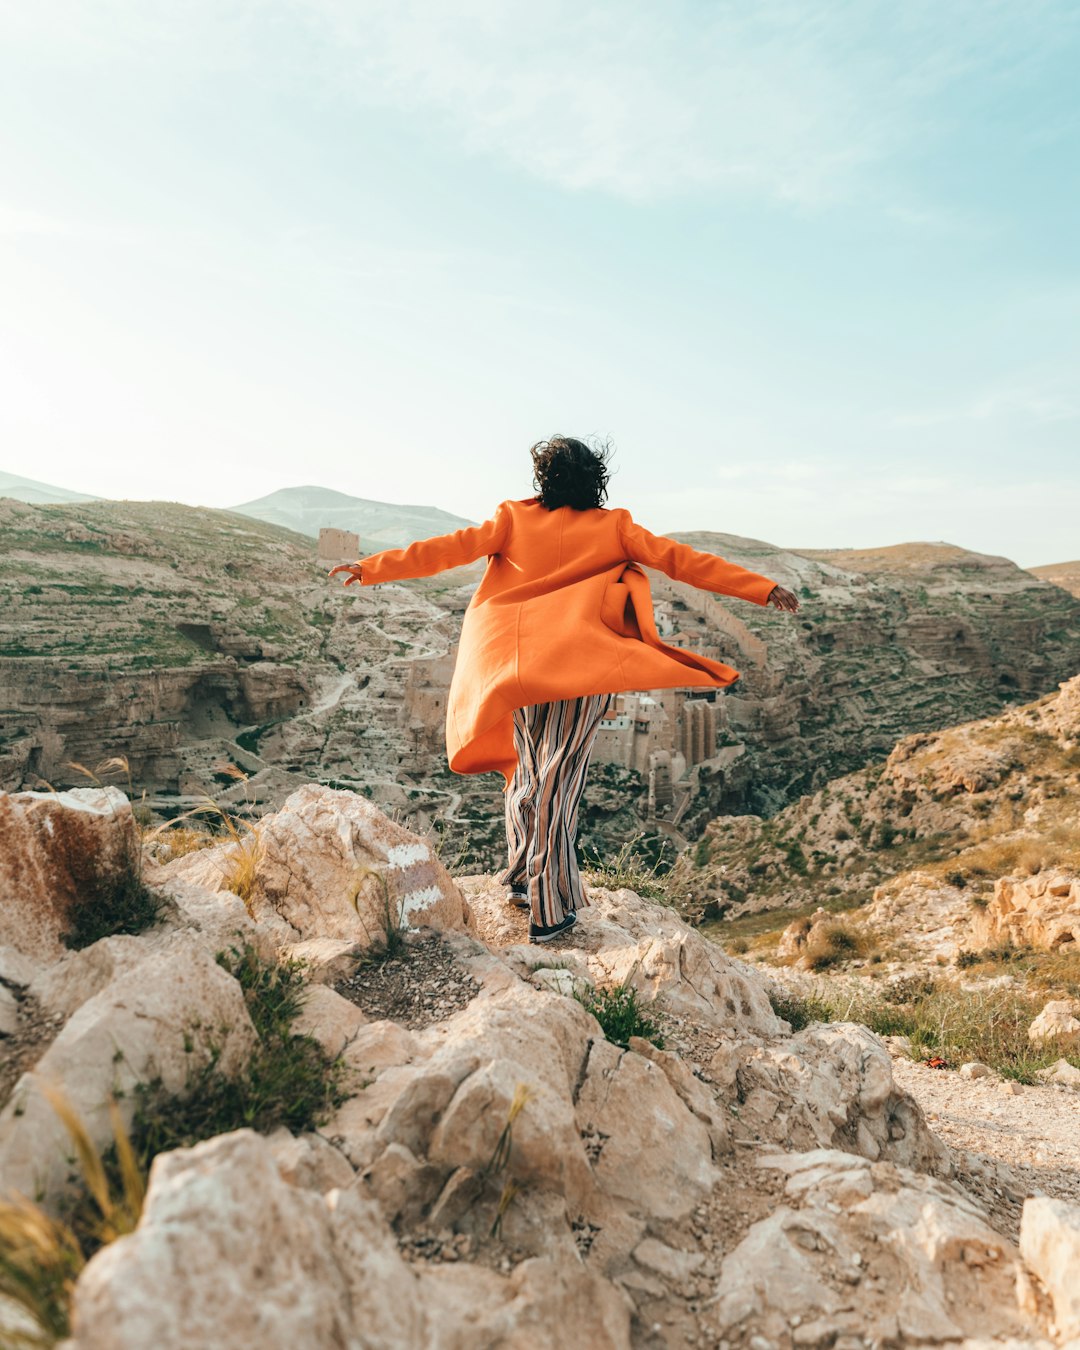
(570, 473)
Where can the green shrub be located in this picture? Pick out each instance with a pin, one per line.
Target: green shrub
(798, 1009)
(628, 870)
(620, 1015)
(119, 902)
(289, 1080)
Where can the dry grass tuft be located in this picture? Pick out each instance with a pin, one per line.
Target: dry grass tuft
(41, 1257)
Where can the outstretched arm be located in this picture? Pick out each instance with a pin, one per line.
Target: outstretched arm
(707, 571)
(428, 556)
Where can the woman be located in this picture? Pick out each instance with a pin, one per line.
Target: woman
(561, 621)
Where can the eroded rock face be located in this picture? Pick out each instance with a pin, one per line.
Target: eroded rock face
(1040, 911)
(58, 850)
(330, 865)
(872, 1251)
(164, 1016)
(1050, 1243)
(830, 1086)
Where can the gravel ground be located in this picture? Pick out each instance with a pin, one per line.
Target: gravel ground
(1006, 1147)
(34, 1032)
(425, 984)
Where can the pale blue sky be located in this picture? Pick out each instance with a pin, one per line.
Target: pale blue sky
(813, 266)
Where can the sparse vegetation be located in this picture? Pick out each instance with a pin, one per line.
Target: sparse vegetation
(116, 901)
(939, 1018)
(392, 943)
(620, 1015)
(628, 869)
(829, 944)
(500, 1157)
(289, 1080)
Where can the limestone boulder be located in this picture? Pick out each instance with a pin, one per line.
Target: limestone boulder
(1057, 1024)
(871, 1253)
(330, 865)
(1050, 1244)
(310, 1161)
(325, 960)
(647, 1148)
(1040, 911)
(829, 1086)
(1062, 1073)
(59, 850)
(545, 1304)
(226, 1254)
(217, 916)
(164, 1017)
(67, 984)
(329, 1019)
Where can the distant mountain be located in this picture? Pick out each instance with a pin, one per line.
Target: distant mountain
(1066, 575)
(307, 509)
(38, 494)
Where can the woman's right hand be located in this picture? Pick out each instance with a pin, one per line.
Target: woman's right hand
(353, 569)
(780, 598)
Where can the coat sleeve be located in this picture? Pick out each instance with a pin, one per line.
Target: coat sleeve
(428, 556)
(707, 571)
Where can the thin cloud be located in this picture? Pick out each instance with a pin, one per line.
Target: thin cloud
(798, 101)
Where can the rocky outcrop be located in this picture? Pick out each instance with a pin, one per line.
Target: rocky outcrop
(228, 1253)
(163, 1018)
(500, 1172)
(59, 851)
(1040, 911)
(330, 865)
(1050, 1244)
(647, 947)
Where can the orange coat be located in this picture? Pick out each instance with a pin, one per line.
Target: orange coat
(563, 610)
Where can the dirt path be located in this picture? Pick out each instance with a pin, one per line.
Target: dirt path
(1006, 1147)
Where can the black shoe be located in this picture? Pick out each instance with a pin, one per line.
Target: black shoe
(539, 933)
(518, 897)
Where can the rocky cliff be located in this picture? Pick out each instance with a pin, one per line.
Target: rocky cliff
(967, 804)
(188, 640)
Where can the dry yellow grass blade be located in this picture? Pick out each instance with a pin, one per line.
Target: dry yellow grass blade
(40, 1259)
(117, 1214)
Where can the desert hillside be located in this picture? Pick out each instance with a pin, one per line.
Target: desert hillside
(308, 509)
(1066, 575)
(190, 641)
(971, 803)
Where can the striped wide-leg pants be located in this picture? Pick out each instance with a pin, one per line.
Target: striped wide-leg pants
(553, 743)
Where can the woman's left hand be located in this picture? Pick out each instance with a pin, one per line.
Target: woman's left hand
(353, 569)
(780, 598)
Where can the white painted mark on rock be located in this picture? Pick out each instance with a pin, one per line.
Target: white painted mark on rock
(404, 855)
